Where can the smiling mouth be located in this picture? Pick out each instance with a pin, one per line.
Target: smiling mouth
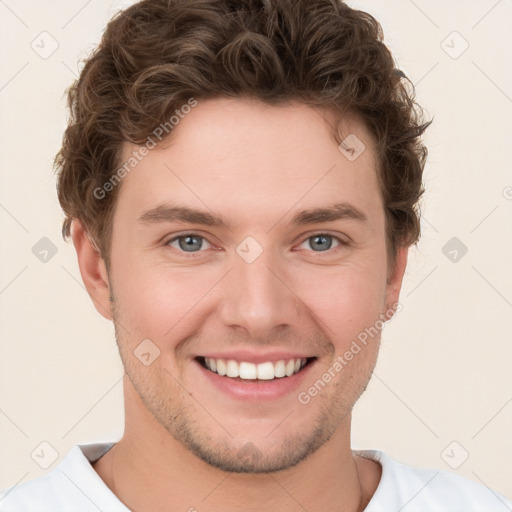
(243, 370)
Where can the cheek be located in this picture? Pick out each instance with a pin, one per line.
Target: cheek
(158, 302)
(346, 300)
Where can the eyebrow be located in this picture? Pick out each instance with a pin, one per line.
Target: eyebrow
(165, 213)
(339, 211)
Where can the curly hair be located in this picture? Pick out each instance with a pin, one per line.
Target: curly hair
(158, 54)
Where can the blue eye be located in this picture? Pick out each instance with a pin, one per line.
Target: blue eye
(189, 242)
(322, 241)
(194, 243)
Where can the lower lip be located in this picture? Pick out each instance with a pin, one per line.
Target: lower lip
(256, 390)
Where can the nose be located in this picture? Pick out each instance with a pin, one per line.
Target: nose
(259, 297)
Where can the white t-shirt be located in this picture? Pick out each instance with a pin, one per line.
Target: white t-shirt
(74, 486)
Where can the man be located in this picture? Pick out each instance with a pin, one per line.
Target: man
(240, 181)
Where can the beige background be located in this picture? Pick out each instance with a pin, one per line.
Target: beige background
(444, 370)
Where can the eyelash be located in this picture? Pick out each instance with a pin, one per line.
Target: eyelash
(341, 242)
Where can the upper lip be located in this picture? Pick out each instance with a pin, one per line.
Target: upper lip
(256, 357)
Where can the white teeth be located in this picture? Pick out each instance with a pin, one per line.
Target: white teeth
(248, 370)
(264, 371)
(221, 366)
(233, 368)
(280, 369)
(290, 367)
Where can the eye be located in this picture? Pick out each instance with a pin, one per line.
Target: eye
(194, 243)
(321, 242)
(189, 242)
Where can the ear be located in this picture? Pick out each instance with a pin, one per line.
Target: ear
(93, 269)
(395, 277)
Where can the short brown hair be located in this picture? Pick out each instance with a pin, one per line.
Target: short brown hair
(157, 54)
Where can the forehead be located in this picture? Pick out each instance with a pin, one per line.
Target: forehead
(242, 156)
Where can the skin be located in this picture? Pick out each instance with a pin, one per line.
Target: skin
(257, 166)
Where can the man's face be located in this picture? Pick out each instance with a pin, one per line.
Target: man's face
(265, 288)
